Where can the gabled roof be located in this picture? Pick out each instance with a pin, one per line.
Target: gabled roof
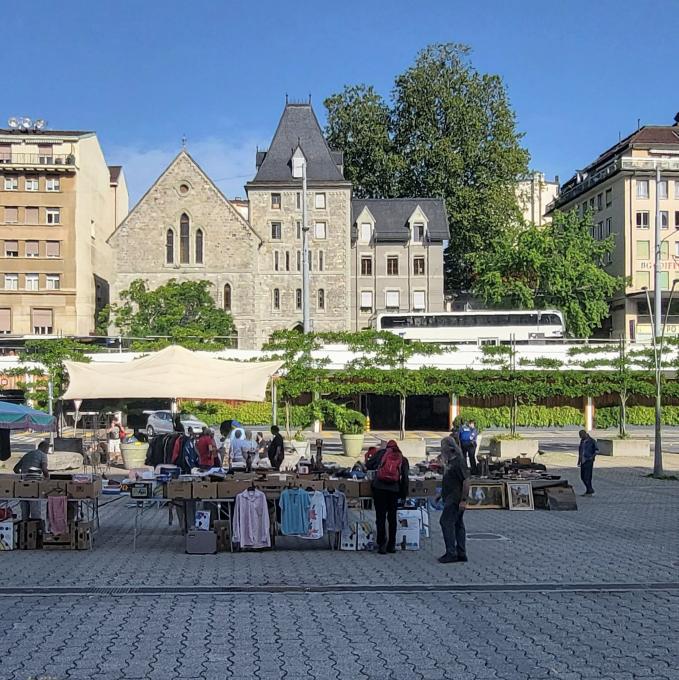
(298, 126)
(392, 215)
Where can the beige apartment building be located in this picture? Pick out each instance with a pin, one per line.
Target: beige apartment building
(59, 202)
(535, 194)
(619, 190)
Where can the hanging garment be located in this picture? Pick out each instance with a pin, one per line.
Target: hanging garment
(337, 512)
(57, 514)
(251, 520)
(5, 450)
(294, 505)
(315, 515)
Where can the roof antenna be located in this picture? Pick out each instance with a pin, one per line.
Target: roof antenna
(638, 124)
(286, 98)
(183, 141)
(309, 98)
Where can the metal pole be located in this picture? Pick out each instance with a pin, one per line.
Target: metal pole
(657, 454)
(305, 256)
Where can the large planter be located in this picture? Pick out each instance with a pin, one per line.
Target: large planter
(352, 444)
(134, 454)
(413, 449)
(512, 448)
(637, 448)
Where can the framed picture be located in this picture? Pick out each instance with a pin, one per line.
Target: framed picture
(520, 495)
(486, 497)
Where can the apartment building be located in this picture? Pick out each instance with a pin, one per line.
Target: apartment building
(535, 194)
(397, 257)
(59, 202)
(619, 190)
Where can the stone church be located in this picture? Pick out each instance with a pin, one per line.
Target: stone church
(365, 256)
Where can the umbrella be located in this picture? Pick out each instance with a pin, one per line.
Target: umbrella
(17, 417)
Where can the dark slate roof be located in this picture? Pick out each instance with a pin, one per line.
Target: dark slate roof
(114, 172)
(298, 126)
(392, 214)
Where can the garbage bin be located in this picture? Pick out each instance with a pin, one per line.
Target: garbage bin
(134, 454)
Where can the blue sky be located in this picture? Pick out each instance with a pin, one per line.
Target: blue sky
(145, 73)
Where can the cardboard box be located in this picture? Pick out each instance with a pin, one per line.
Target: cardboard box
(315, 484)
(81, 535)
(365, 536)
(351, 488)
(205, 489)
(27, 489)
(365, 488)
(9, 534)
(53, 487)
(232, 487)
(201, 542)
(30, 534)
(408, 539)
(423, 488)
(222, 529)
(81, 490)
(7, 487)
(52, 541)
(177, 489)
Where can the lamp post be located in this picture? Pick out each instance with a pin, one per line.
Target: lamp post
(306, 317)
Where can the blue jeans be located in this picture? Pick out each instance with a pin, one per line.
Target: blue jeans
(586, 469)
(452, 528)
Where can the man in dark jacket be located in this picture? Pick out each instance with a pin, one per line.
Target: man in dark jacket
(587, 452)
(276, 450)
(386, 495)
(454, 492)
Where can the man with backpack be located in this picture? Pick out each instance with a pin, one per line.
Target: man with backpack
(389, 484)
(468, 435)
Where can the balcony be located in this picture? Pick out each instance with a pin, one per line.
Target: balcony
(31, 160)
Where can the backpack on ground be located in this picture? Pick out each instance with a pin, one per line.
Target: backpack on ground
(465, 435)
(390, 466)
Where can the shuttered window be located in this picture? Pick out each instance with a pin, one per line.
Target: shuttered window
(42, 321)
(5, 321)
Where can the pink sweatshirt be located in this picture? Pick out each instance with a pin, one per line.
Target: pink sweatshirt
(251, 520)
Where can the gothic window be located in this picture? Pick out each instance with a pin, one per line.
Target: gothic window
(199, 246)
(184, 239)
(227, 297)
(169, 247)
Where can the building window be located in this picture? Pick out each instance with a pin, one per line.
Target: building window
(276, 231)
(31, 215)
(662, 188)
(664, 250)
(643, 279)
(42, 321)
(11, 183)
(392, 266)
(11, 282)
(676, 249)
(298, 298)
(365, 233)
(366, 266)
(276, 263)
(45, 154)
(642, 219)
(33, 248)
(299, 230)
(584, 208)
(591, 204)
(664, 219)
(418, 233)
(53, 184)
(11, 215)
(319, 201)
(276, 298)
(600, 201)
(418, 266)
(298, 199)
(321, 298)
(169, 247)
(676, 219)
(366, 301)
(392, 300)
(319, 230)
(52, 248)
(275, 201)
(53, 281)
(609, 198)
(311, 261)
(643, 250)
(419, 300)
(11, 248)
(642, 188)
(608, 227)
(5, 321)
(299, 261)
(665, 280)
(53, 215)
(184, 239)
(676, 189)
(600, 230)
(32, 282)
(31, 184)
(5, 153)
(227, 297)
(199, 246)
(287, 260)
(321, 261)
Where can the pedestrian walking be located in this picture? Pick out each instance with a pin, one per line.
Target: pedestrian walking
(587, 452)
(389, 484)
(468, 438)
(455, 490)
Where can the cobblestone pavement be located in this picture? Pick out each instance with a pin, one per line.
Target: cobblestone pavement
(566, 636)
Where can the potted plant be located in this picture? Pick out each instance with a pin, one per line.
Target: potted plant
(351, 426)
(511, 445)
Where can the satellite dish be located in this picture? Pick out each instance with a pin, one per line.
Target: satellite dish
(39, 124)
(26, 123)
(13, 123)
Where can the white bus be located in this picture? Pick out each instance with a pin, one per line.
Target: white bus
(482, 327)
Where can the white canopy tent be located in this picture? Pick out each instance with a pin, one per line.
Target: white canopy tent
(172, 373)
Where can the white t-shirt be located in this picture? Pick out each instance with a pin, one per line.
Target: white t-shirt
(317, 513)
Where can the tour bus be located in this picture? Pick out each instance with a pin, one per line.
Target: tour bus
(483, 327)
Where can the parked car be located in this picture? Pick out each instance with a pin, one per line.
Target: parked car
(160, 422)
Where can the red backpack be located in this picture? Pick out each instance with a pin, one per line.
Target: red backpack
(390, 466)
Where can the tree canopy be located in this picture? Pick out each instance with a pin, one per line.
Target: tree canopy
(179, 312)
(449, 131)
(556, 266)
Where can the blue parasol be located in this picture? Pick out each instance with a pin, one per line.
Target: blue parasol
(18, 417)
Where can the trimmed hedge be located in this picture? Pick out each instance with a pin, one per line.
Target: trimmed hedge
(527, 416)
(636, 415)
(248, 413)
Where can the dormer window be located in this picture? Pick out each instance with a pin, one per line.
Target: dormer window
(365, 232)
(418, 232)
(298, 161)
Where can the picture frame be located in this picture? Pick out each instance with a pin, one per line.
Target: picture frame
(486, 497)
(520, 495)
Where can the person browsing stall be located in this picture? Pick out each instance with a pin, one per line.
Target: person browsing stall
(207, 450)
(389, 484)
(33, 463)
(587, 452)
(276, 450)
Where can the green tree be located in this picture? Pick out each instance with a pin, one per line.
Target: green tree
(359, 123)
(451, 133)
(556, 266)
(179, 312)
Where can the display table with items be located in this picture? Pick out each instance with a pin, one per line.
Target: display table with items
(61, 512)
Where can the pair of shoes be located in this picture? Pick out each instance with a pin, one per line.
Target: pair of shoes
(588, 493)
(462, 558)
(391, 549)
(448, 559)
(382, 550)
